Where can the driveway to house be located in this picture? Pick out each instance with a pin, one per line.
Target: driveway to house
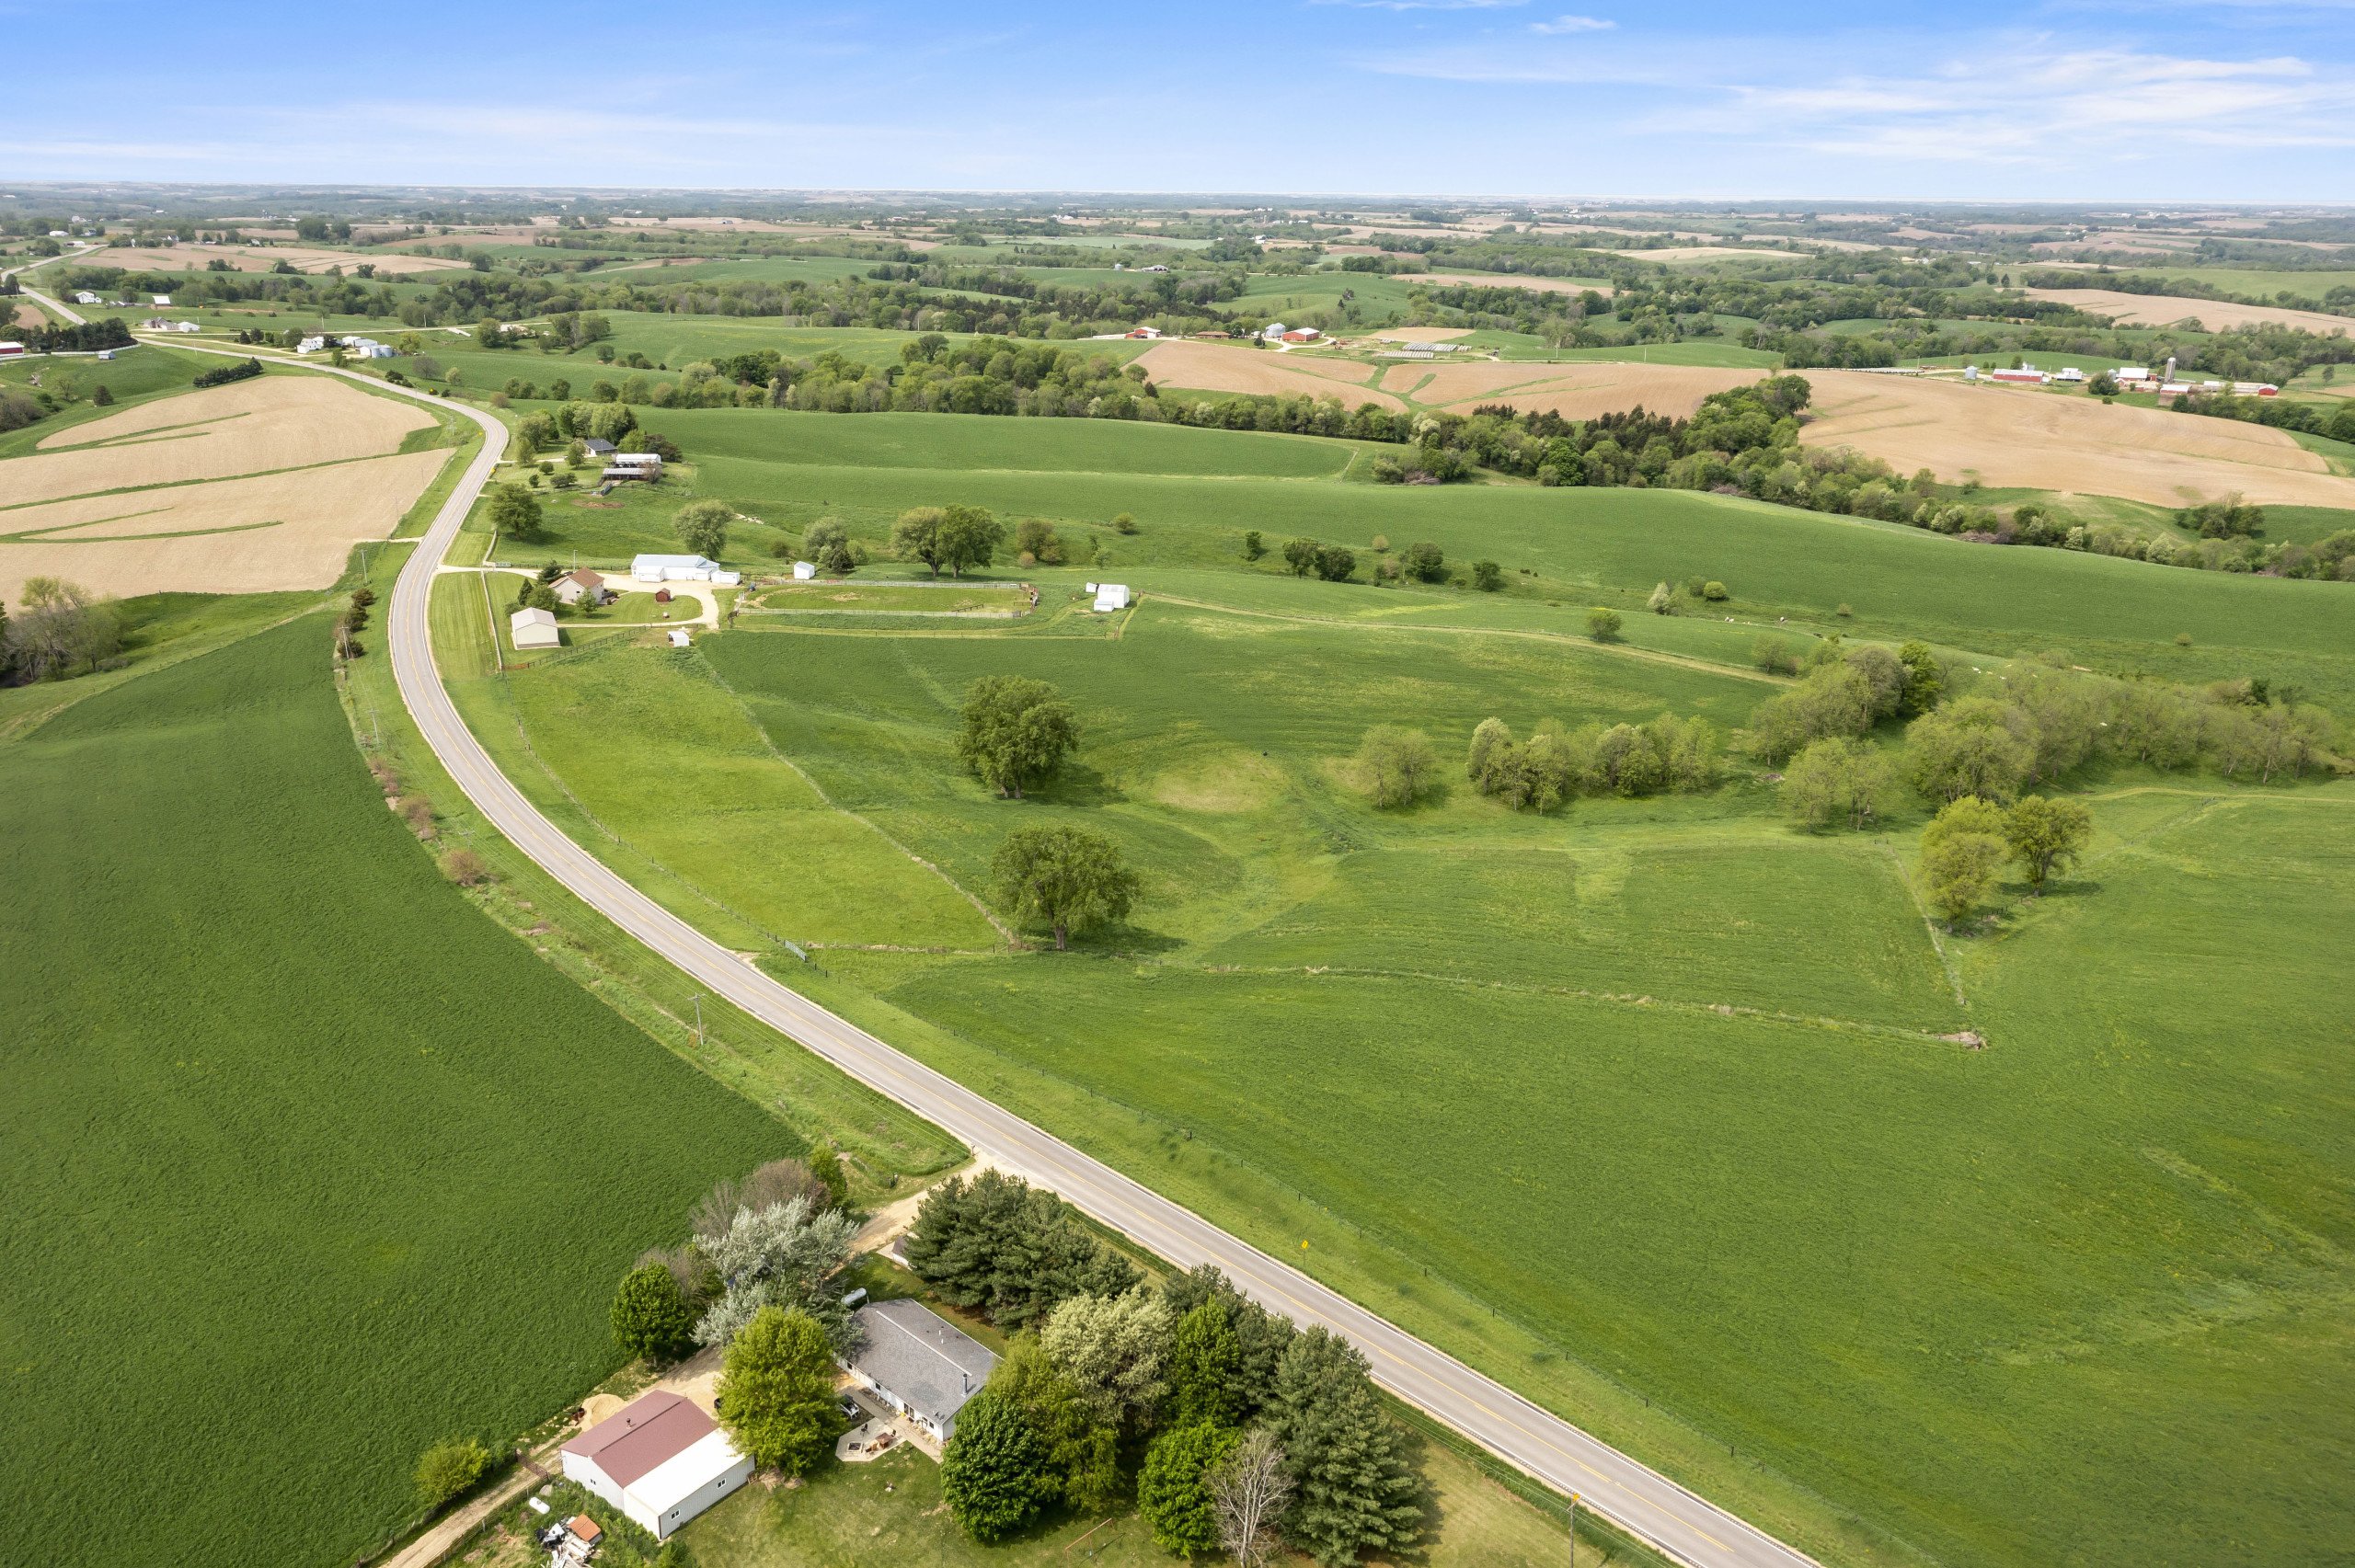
(1633, 1496)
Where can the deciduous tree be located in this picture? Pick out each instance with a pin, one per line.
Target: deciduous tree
(650, 1314)
(1014, 731)
(1250, 1490)
(1174, 1488)
(1835, 779)
(515, 512)
(993, 1470)
(1114, 1349)
(1067, 877)
(449, 1470)
(2047, 835)
(1972, 746)
(1396, 765)
(702, 526)
(776, 1391)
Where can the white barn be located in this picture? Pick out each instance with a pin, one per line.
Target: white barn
(533, 628)
(1110, 596)
(682, 568)
(660, 1460)
(804, 570)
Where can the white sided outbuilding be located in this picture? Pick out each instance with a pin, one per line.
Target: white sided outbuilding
(660, 1460)
(682, 568)
(533, 628)
(1110, 596)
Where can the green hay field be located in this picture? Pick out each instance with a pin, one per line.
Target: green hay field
(308, 1164)
(1647, 1106)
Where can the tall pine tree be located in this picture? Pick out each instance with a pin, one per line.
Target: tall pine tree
(1353, 1489)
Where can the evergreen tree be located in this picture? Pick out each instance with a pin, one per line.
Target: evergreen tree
(776, 1390)
(1261, 1337)
(994, 1471)
(1000, 1245)
(1173, 1489)
(1354, 1490)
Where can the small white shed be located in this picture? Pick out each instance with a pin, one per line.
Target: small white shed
(804, 570)
(533, 628)
(678, 636)
(1111, 596)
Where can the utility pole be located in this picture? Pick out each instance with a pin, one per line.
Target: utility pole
(1574, 1530)
(698, 1002)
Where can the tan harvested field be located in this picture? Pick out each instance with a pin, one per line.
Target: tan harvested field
(1674, 254)
(26, 314)
(1508, 281)
(261, 259)
(1575, 392)
(2165, 310)
(278, 421)
(274, 532)
(1214, 367)
(2015, 437)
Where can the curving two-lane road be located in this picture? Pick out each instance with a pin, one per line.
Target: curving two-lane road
(1632, 1496)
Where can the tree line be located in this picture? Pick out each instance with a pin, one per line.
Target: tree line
(1232, 1430)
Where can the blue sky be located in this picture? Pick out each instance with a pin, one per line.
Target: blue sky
(2137, 100)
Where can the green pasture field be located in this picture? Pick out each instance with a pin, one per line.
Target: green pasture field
(1648, 1107)
(2254, 282)
(299, 1150)
(1582, 546)
(2303, 525)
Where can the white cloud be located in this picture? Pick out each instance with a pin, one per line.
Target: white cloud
(1573, 25)
(2027, 99)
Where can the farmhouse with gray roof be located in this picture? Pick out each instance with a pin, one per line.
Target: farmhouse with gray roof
(920, 1363)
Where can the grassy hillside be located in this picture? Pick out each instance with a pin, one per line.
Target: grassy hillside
(1648, 1107)
(307, 1165)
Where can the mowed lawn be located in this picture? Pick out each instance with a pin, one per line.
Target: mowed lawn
(306, 1164)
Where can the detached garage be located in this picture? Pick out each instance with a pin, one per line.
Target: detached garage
(660, 1460)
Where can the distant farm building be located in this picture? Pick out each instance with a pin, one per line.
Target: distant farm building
(660, 1460)
(919, 1363)
(84, 297)
(310, 345)
(1301, 335)
(159, 300)
(582, 585)
(596, 447)
(678, 635)
(9, 350)
(804, 570)
(1276, 330)
(682, 568)
(533, 628)
(1109, 596)
(634, 465)
(1145, 332)
(2020, 378)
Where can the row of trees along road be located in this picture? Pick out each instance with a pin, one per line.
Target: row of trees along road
(1233, 1430)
